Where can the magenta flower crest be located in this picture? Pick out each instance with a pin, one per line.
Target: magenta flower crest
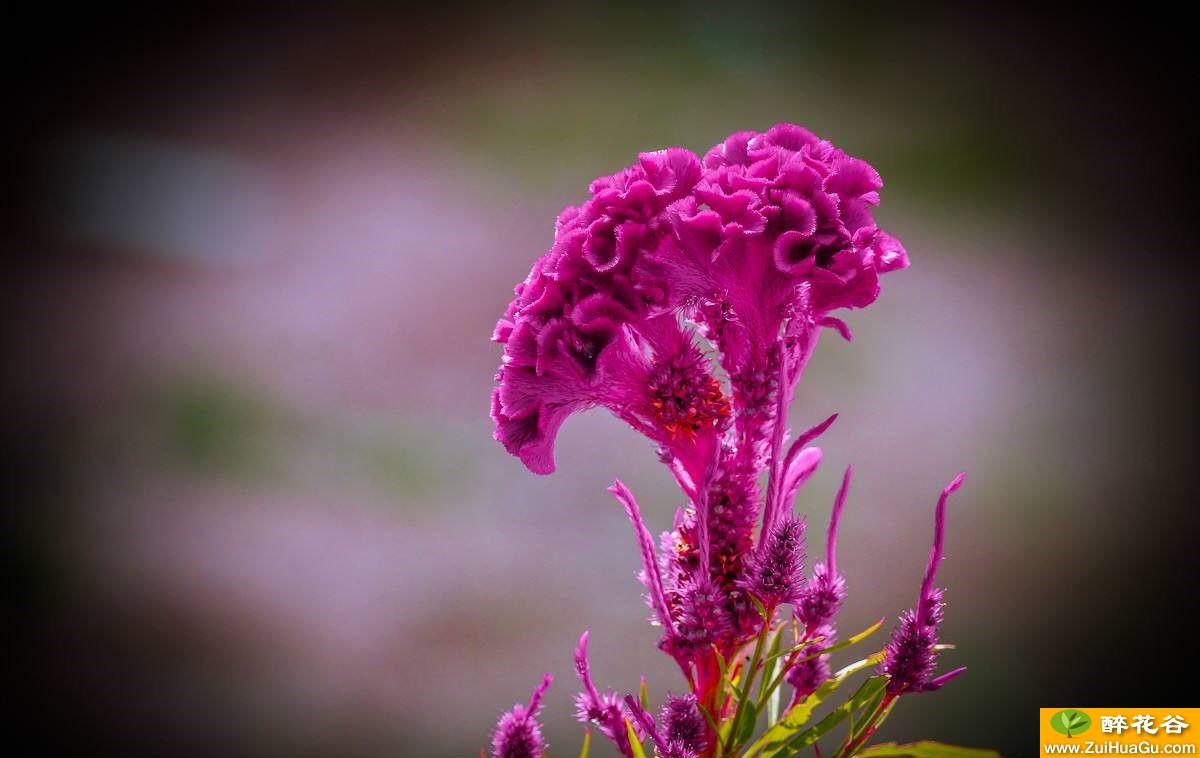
(687, 297)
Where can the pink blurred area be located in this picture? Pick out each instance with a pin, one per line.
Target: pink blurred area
(253, 341)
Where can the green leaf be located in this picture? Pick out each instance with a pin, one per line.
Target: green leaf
(861, 697)
(643, 696)
(924, 749)
(773, 705)
(870, 708)
(798, 648)
(769, 662)
(798, 716)
(758, 606)
(634, 743)
(832, 648)
(712, 724)
(768, 675)
(725, 682)
(587, 744)
(747, 719)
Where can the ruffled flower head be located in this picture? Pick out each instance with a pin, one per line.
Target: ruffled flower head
(571, 336)
(779, 226)
(771, 228)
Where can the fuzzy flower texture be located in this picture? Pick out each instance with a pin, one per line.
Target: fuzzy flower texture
(752, 249)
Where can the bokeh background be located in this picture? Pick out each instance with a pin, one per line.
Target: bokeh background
(255, 507)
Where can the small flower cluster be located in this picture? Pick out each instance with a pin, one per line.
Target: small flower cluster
(751, 249)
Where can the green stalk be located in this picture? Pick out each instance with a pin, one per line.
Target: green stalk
(748, 676)
(853, 743)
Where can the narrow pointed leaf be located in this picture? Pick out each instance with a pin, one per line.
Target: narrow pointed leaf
(758, 606)
(747, 720)
(869, 710)
(634, 744)
(862, 696)
(768, 676)
(796, 718)
(838, 646)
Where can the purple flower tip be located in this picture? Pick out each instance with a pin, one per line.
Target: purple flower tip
(821, 598)
(650, 575)
(774, 572)
(911, 658)
(605, 710)
(835, 519)
(807, 675)
(703, 616)
(683, 724)
(518, 733)
(823, 595)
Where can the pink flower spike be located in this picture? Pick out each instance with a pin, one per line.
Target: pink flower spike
(835, 519)
(535, 700)
(605, 710)
(811, 434)
(646, 722)
(935, 552)
(797, 472)
(518, 733)
(939, 682)
(771, 507)
(841, 327)
(911, 655)
(583, 669)
(650, 573)
(824, 594)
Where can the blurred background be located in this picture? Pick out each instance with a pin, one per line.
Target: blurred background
(256, 257)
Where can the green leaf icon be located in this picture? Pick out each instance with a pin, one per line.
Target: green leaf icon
(1071, 722)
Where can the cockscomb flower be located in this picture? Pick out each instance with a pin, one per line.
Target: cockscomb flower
(911, 657)
(687, 297)
(518, 733)
(774, 572)
(774, 228)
